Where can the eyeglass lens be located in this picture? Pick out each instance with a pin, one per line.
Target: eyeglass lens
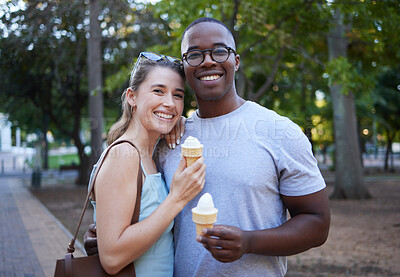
(218, 54)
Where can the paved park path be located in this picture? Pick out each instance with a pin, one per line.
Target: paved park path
(31, 238)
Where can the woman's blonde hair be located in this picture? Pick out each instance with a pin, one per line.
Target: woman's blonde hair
(138, 76)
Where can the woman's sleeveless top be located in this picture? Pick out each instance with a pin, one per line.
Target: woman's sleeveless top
(159, 259)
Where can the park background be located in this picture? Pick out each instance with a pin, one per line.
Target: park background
(330, 66)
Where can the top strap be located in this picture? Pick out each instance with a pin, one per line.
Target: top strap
(135, 217)
(144, 171)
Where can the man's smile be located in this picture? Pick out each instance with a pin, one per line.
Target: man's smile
(210, 77)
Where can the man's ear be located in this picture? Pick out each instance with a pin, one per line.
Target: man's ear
(131, 97)
(237, 62)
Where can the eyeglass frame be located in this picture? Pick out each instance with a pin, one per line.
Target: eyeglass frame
(184, 55)
(172, 59)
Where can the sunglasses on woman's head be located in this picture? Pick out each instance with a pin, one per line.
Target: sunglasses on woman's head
(152, 56)
(156, 57)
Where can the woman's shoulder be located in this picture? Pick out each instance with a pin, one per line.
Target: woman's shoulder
(124, 150)
(122, 156)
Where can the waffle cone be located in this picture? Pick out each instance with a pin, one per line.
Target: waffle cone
(200, 227)
(191, 154)
(203, 221)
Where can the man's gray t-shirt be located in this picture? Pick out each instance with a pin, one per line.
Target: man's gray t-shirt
(252, 155)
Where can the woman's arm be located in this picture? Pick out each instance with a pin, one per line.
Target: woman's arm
(119, 242)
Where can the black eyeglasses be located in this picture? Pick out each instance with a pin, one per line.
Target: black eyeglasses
(152, 56)
(219, 54)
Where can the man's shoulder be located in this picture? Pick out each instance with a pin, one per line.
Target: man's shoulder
(265, 120)
(258, 108)
(258, 111)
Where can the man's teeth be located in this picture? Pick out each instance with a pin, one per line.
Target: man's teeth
(163, 115)
(210, 78)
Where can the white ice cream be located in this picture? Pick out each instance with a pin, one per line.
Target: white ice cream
(205, 205)
(191, 142)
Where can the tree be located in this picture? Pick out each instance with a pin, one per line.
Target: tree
(349, 181)
(42, 66)
(285, 60)
(274, 42)
(95, 82)
(282, 45)
(387, 107)
(361, 45)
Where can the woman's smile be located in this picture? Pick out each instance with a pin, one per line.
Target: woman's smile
(164, 115)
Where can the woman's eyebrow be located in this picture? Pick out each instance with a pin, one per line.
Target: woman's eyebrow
(158, 85)
(164, 86)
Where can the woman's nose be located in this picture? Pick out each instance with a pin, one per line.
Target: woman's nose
(168, 100)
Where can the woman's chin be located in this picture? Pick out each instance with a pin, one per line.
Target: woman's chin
(165, 129)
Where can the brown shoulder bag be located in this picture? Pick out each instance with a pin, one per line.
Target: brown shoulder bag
(90, 265)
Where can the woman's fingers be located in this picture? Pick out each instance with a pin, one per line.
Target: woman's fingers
(174, 137)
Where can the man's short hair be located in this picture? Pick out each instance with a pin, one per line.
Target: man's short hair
(206, 19)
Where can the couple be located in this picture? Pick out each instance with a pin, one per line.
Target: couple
(259, 165)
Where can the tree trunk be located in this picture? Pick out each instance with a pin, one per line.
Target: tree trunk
(95, 82)
(361, 143)
(349, 179)
(84, 173)
(45, 143)
(388, 151)
(303, 108)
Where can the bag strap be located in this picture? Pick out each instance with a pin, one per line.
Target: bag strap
(135, 217)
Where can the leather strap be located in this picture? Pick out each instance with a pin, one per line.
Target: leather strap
(68, 265)
(135, 217)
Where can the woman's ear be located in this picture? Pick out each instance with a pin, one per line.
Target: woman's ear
(131, 97)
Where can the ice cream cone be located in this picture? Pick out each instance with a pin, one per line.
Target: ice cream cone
(203, 221)
(204, 214)
(191, 154)
(192, 150)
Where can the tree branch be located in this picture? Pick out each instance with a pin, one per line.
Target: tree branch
(270, 79)
(306, 55)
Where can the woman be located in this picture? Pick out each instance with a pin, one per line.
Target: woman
(152, 105)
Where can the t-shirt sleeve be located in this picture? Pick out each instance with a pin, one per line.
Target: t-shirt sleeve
(297, 167)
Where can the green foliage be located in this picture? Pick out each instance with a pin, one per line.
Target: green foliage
(114, 82)
(62, 160)
(372, 33)
(282, 46)
(386, 98)
(342, 72)
(42, 63)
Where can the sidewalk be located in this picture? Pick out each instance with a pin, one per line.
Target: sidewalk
(31, 238)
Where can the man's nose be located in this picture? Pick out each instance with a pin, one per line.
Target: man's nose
(207, 58)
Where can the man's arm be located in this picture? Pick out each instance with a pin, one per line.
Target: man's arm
(308, 227)
(90, 240)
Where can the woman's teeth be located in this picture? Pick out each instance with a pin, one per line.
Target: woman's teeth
(210, 78)
(163, 115)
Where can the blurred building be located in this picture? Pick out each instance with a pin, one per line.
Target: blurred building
(5, 134)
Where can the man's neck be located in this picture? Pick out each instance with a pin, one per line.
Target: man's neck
(208, 109)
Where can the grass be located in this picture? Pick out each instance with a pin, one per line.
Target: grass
(56, 161)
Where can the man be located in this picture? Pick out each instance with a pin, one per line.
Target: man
(258, 165)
